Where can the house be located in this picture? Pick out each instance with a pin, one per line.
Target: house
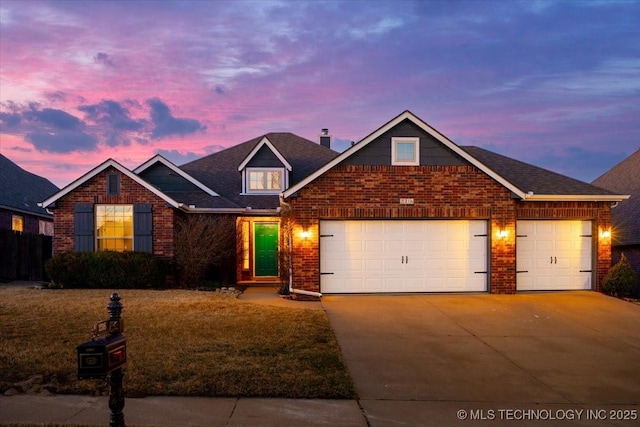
(403, 210)
(25, 228)
(112, 207)
(625, 217)
(20, 192)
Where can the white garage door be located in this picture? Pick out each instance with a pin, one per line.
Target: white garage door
(403, 256)
(553, 255)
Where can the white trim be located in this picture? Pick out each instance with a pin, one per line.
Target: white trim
(100, 168)
(264, 141)
(404, 140)
(176, 169)
(522, 194)
(575, 197)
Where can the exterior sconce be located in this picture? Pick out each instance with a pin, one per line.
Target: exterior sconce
(305, 234)
(502, 234)
(605, 234)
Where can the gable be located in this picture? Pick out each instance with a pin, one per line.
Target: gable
(378, 151)
(439, 150)
(264, 158)
(110, 165)
(159, 175)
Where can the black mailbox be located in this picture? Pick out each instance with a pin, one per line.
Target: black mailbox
(99, 357)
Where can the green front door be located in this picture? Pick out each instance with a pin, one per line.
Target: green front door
(266, 249)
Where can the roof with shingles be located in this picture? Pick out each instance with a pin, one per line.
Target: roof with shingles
(219, 171)
(21, 190)
(532, 178)
(624, 178)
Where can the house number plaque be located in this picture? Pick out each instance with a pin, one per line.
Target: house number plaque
(406, 201)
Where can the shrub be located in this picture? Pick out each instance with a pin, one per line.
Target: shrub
(621, 280)
(205, 244)
(107, 270)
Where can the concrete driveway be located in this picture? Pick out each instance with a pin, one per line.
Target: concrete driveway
(557, 358)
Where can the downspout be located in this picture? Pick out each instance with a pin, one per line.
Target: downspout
(291, 289)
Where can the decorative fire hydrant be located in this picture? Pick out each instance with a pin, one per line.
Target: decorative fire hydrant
(104, 357)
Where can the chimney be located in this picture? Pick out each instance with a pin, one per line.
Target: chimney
(325, 138)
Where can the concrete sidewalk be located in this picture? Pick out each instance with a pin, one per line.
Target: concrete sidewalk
(181, 411)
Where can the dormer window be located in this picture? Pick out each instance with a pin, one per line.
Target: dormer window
(405, 151)
(265, 180)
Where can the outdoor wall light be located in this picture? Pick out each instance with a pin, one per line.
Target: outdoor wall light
(605, 234)
(305, 234)
(502, 234)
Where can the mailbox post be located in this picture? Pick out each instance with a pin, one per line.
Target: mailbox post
(104, 356)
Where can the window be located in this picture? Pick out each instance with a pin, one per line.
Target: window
(113, 184)
(114, 227)
(45, 227)
(245, 245)
(265, 181)
(17, 223)
(405, 151)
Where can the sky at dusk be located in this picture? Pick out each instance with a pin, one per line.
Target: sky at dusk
(552, 83)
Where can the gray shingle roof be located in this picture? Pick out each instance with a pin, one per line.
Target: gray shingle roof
(532, 178)
(624, 178)
(219, 171)
(21, 190)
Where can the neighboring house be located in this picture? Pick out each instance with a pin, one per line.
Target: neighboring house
(244, 181)
(20, 192)
(403, 210)
(25, 228)
(625, 216)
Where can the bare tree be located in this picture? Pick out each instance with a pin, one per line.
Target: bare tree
(201, 242)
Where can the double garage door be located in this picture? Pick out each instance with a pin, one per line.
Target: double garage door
(393, 256)
(403, 256)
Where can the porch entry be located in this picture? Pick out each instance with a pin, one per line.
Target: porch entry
(266, 248)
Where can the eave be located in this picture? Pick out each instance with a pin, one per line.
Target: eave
(575, 197)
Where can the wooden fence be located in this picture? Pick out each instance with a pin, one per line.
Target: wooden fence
(22, 255)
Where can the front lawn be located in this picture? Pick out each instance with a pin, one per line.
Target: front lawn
(182, 343)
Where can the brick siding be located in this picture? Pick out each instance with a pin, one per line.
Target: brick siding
(94, 191)
(439, 192)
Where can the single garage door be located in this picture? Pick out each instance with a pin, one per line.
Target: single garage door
(403, 256)
(553, 255)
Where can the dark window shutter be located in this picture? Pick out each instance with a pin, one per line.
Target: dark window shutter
(83, 227)
(142, 228)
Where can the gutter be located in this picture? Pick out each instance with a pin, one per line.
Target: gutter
(247, 210)
(290, 237)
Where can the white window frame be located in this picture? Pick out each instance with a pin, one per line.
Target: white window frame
(246, 181)
(395, 141)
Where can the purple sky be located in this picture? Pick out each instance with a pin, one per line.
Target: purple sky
(552, 83)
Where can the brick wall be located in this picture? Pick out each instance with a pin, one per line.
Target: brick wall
(95, 191)
(443, 192)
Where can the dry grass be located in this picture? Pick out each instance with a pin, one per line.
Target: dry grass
(183, 343)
